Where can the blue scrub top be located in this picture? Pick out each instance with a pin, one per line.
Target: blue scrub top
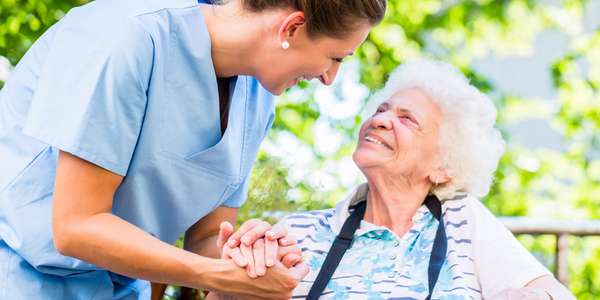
(130, 86)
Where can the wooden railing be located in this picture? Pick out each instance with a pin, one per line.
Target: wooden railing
(561, 229)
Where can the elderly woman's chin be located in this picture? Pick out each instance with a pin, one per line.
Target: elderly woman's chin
(365, 157)
(433, 133)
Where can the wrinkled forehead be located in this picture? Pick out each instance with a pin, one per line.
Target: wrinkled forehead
(413, 99)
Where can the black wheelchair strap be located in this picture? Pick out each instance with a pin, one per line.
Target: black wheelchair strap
(343, 242)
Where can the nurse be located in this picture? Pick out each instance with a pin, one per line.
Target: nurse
(130, 122)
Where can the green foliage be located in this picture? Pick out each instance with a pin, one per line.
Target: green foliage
(540, 182)
(23, 21)
(268, 197)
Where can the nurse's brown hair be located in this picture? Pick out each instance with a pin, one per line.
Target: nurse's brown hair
(332, 18)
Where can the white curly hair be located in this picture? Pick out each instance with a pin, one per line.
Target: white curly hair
(470, 145)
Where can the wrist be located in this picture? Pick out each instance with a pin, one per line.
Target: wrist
(212, 274)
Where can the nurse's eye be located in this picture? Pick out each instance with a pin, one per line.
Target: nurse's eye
(338, 59)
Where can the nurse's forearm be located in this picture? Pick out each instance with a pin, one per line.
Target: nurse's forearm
(201, 238)
(111, 243)
(83, 227)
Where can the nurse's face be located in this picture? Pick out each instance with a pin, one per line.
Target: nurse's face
(309, 58)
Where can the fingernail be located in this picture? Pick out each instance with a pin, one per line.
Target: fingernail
(246, 240)
(284, 241)
(269, 262)
(231, 243)
(270, 234)
(260, 272)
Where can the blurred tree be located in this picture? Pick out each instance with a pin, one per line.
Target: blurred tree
(22, 22)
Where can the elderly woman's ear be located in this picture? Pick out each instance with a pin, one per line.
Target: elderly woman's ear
(439, 176)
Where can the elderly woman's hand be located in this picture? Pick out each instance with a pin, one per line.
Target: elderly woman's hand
(524, 293)
(261, 246)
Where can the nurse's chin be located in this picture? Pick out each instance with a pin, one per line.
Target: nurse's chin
(278, 91)
(274, 89)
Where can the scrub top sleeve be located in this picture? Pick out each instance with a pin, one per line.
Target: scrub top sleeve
(90, 99)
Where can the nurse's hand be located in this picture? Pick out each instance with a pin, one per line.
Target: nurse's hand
(264, 252)
(277, 283)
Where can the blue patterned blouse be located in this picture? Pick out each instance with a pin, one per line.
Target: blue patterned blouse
(382, 265)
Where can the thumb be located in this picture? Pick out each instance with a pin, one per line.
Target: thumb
(291, 260)
(299, 271)
(225, 230)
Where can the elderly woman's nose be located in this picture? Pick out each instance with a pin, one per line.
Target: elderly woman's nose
(382, 120)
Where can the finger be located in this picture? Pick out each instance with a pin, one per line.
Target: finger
(258, 249)
(289, 240)
(225, 230)
(271, 249)
(255, 233)
(234, 239)
(291, 260)
(236, 255)
(277, 232)
(283, 251)
(247, 253)
(299, 271)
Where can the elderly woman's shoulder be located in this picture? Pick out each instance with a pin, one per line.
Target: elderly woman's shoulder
(464, 203)
(308, 217)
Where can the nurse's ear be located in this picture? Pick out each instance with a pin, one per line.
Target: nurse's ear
(289, 27)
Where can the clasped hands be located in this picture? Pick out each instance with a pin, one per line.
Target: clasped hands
(258, 246)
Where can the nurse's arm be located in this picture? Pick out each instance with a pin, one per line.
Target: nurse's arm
(201, 238)
(84, 227)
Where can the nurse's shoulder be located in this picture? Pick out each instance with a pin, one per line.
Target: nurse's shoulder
(113, 10)
(106, 18)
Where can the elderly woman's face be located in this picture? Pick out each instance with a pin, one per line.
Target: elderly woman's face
(401, 138)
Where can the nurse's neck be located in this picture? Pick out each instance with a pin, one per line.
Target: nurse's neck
(238, 45)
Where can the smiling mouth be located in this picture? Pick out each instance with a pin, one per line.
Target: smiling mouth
(377, 141)
(309, 78)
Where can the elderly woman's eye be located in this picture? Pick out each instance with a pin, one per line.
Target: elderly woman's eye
(411, 120)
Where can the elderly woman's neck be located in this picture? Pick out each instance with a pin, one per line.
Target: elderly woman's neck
(393, 205)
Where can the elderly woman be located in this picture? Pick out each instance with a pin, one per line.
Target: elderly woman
(428, 153)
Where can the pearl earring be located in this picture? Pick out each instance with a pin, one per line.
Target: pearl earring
(285, 45)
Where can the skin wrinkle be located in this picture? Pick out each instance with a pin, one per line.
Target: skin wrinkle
(398, 184)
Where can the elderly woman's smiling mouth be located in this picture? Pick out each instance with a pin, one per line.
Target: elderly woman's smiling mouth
(375, 139)
(418, 230)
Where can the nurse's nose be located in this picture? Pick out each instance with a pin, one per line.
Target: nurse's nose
(329, 75)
